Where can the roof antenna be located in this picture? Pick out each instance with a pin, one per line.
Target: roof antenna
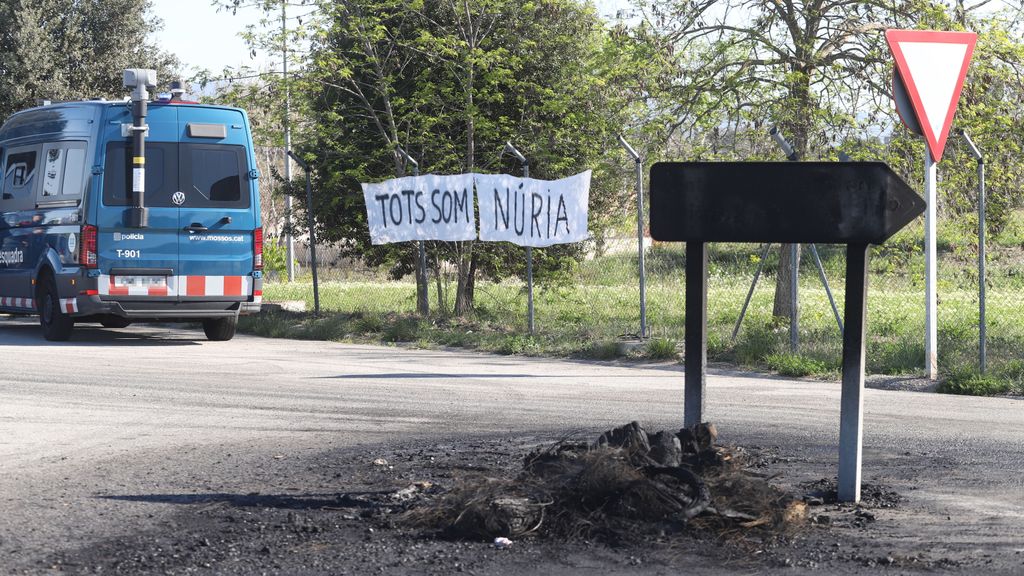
(139, 81)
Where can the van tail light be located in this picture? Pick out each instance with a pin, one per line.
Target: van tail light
(257, 248)
(87, 257)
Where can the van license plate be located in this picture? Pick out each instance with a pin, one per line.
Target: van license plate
(141, 281)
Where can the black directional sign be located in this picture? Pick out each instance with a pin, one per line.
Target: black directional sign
(805, 202)
(856, 204)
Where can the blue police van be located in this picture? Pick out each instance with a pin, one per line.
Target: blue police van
(133, 211)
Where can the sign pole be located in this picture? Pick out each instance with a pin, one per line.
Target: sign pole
(931, 67)
(695, 345)
(851, 405)
(930, 318)
(701, 202)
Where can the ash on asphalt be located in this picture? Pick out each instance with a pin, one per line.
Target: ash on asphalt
(357, 526)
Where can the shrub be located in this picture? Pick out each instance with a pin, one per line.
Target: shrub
(974, 384)
(518, 344)
(605, 350)
(661, 348)
(789, 364)
(367, 324)
(275, 260)
(755, 344)
(403, 329)
(902, 356)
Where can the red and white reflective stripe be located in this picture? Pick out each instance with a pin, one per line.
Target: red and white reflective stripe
(182, 286)
(69, 305)
(8, 302)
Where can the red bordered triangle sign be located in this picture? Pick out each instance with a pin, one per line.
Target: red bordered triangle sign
(933, 66)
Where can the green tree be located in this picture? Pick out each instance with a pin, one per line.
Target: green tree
(989, 110)
(451, 83)
(805, 66)
(72, 49)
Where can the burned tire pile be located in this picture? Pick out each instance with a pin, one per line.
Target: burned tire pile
(621, 488)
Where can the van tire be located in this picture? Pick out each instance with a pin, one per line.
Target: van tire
(56, 325)
(220, 329)
(115, 322)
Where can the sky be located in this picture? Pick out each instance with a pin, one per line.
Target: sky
(204, 38)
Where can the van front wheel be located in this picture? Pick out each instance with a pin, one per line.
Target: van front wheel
(220, 329)
(56, 324)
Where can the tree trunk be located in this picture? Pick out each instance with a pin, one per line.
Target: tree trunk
(798, 130)
(463, 290)
(783, 307)
(442, 306)
(464, 287)
(422, 304)
(421, 275)
(471, 280)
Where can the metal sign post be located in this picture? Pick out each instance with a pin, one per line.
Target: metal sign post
(856, 204)
(851, 403)
(930, 321)
(930, 70)
(639, 233)
(529, 250)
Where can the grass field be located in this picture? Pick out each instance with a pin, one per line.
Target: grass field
(583, 317)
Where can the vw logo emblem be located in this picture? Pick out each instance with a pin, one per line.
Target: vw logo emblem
(178, 198)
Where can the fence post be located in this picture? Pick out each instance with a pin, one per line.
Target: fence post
(422, 288)
(639, 232)
(312, 232)
(529, 250)
(794, 255)
(982, 346)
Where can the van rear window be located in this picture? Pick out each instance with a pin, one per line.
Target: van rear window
(210, 175)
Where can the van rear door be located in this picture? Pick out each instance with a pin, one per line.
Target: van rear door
(216, 211)
(138, 262)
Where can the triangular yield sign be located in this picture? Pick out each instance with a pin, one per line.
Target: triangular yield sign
(933, 66)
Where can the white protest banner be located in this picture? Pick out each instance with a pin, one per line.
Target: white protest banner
(427, 207)
(530, 212)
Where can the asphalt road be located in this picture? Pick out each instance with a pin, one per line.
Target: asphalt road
(149, 410)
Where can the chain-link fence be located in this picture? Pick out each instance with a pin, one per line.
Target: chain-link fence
(599, 302)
